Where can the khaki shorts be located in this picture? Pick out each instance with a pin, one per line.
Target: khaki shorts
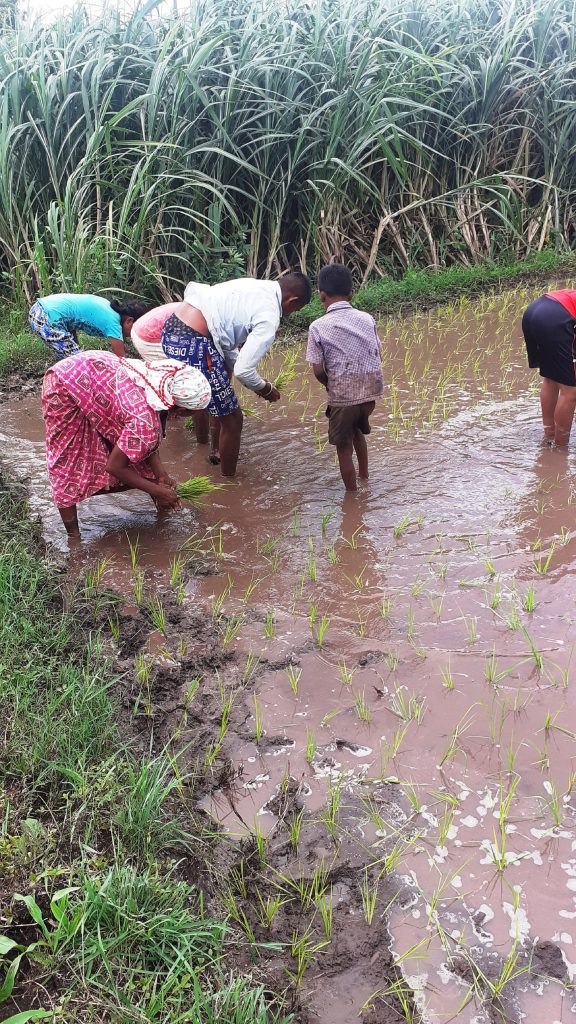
(344, 420)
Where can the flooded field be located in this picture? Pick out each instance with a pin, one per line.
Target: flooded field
(404, 662)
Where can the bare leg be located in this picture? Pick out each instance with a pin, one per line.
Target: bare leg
(564, 415)
(549, 391)
(361, 449)
(70, 519)
(230, 434)
(201, 418)
(214, 456)
(346, 463)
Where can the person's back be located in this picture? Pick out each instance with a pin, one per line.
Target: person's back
(344, 349)
(90, 314)
(350, 350)
(56, 319)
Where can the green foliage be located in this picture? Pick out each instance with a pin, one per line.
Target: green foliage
(141, 147)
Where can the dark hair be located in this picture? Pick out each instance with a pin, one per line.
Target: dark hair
(298, 284)
(335, 279)
(132, 308)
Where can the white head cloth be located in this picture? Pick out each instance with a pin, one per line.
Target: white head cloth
(167, 382)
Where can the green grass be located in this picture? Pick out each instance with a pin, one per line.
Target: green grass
(419, 289)
(92, 836)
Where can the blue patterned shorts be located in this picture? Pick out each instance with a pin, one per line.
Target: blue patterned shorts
(61, 342)
(184, 343)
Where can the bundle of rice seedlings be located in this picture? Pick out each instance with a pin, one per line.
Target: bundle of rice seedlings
(288, 371)
(195, 489)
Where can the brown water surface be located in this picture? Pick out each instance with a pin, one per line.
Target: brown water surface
(433, 672)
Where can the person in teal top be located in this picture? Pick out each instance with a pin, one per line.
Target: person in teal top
(56, 319)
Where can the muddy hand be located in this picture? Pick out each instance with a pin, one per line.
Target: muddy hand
(165, 498)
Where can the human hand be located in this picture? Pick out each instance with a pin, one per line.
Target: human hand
(268, 392)
(165, 498)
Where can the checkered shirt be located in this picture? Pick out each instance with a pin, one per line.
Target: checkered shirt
(346, 342)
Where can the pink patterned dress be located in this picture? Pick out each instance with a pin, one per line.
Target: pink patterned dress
(90, 404)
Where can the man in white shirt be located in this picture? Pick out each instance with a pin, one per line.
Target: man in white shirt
(227, 328)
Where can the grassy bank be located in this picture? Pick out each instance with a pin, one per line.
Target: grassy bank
(22, 352)
(103, 863)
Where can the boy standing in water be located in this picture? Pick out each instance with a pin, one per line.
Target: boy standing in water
(344, 349)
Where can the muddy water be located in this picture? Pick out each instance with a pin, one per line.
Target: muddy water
(405, 613)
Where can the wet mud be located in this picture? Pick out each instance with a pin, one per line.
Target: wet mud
(394, 670)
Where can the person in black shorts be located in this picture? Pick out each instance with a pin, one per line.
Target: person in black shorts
(549, 328)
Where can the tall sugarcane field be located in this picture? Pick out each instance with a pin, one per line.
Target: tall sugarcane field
(288, 499)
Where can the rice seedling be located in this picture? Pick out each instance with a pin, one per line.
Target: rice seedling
(144, 679)
(258, 727)
(138, 587)
(311, 744)
(436, 604)
(327, 517)
(134, 551)
(325, 907)
(407, 706)
(93, 579)
(529, 600)
(288, 370)
(268, 908)
(232, 628)
(295, 830)
(177, 565)
(250, 667)
(361, 623)
(260, 841)
(385, 606)
(400, 529)
(553, 803)
(459, 730)
(471, 627)
(538, 659)
(114, 627)
(411, 627)
(353, 540)
(312, 568)
(303, 949)
(358, 581)
(235, 911)
(296, 525)
(331, 814)
(196, 489)
(269, 625)
(158, 614)
(327, 718)
(390, 748)
(293, 673)
(322, 630)
(332, 555)
(346, 674)
(369, 894)
(250, 589)
(361, 707)
(447, 677)
(542, 563)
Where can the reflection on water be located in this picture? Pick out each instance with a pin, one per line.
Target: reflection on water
(444, 589)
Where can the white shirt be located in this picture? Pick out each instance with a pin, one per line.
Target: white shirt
(243, 317)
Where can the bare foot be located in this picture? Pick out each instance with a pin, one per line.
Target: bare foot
(214, 458)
